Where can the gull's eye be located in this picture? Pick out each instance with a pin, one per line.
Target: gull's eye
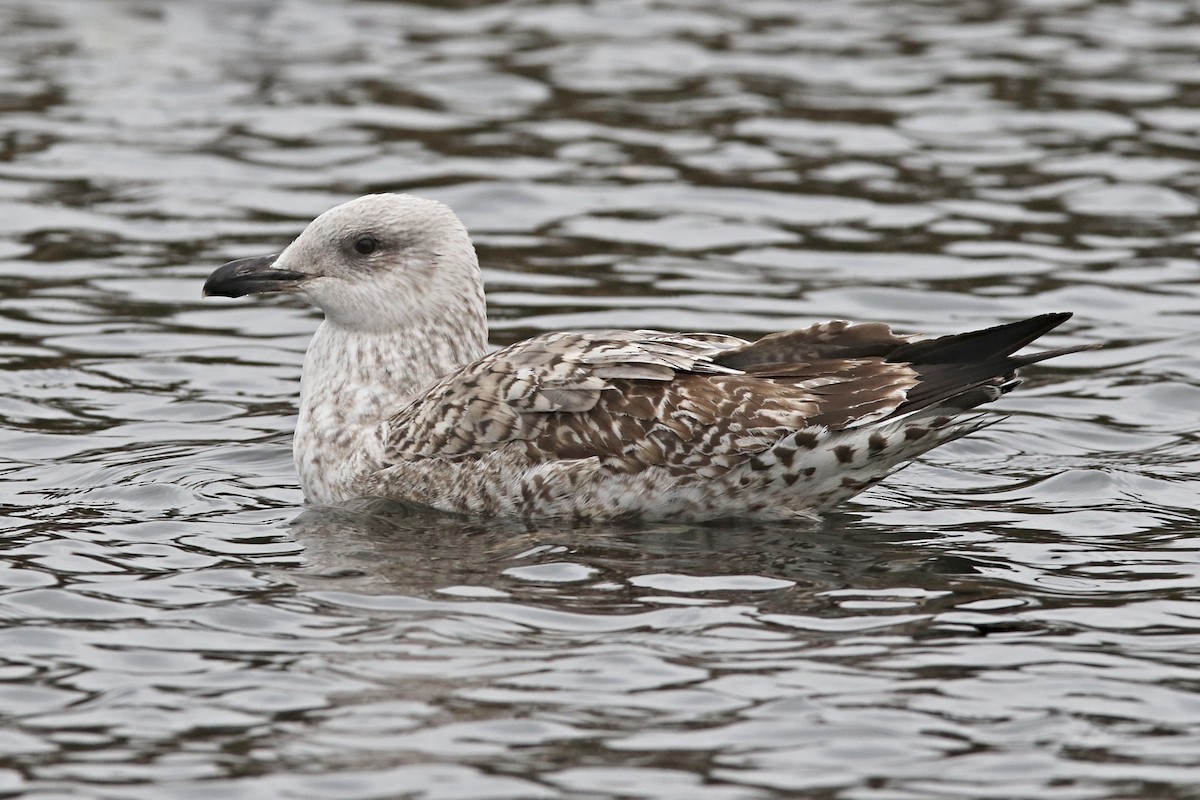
(365, 245)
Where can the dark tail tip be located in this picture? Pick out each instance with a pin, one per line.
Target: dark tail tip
(980, 345)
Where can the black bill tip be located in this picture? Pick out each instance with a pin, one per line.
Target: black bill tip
(251, 276)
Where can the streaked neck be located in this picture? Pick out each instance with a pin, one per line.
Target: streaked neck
(352, 381)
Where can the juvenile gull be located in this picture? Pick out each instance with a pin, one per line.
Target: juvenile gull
(399, 397)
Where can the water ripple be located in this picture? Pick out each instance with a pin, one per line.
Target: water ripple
(1015, 616)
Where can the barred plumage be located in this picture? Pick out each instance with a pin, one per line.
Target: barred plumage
(398, 398)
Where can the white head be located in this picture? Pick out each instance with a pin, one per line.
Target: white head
(379, 263)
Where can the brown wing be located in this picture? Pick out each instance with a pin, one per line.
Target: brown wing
(701, 403)
(643, 398)
(961, 370)
(502, 396)
(708, 424)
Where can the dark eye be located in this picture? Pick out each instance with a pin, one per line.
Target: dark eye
(365, 245)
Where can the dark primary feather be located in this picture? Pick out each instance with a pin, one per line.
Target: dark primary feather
(980, 345)
(955, 366)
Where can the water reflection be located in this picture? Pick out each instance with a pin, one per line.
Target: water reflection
(1014, 616)
(381, 546)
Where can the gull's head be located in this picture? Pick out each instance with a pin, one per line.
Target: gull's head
(375, 263)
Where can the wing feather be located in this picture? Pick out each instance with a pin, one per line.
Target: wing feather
(637, 399)
(700, 403)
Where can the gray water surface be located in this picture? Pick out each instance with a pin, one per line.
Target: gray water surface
(1016, 616)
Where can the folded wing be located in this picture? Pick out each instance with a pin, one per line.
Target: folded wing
(700, 403)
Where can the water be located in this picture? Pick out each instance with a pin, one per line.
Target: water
(1014, 617)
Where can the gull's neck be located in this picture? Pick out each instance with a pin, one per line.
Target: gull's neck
(354, 379)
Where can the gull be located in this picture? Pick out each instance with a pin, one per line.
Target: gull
(400, 397)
